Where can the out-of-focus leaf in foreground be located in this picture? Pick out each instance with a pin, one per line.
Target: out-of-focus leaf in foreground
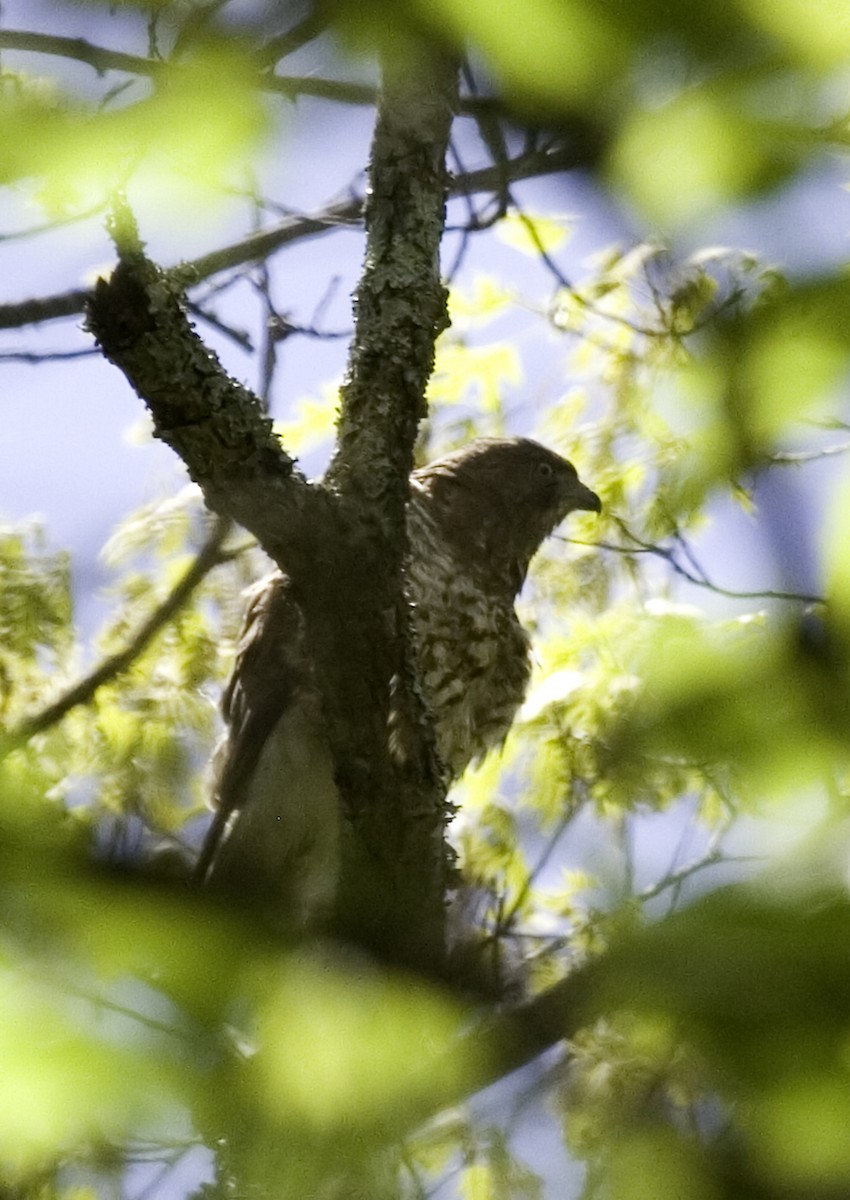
(756, 982)
(766, 700)
(785, 360)
(199, 117)
(131, 1005)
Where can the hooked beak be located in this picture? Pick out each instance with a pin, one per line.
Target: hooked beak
(583, 498)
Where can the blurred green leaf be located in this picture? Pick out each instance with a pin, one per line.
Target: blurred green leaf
(704, 149)
(542, 52)
(353, 1050)
(658, 1165)
(474, 375)
(819, 35)
(705, 700)
(765, 999)
(310, 421)
(754, 985)
(795, 354)
(63, 1084)
(202, 116)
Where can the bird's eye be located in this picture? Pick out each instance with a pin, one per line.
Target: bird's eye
(545, 470)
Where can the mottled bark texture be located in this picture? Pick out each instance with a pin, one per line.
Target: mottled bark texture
(400, 308)
(342, 544)
(214, 423)
(400, 304)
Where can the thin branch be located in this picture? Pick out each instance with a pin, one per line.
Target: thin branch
(55, 223)
(697, 576)
(103, 59)
(166, 1167)
(506, 919)
(35, 358)
(470, 225)
(44, 308)
(99, 57)
(343, 213)
(210, 555)
(712, 858)
(282, 328)
(261, 282)
(240, 336)
(106, 1004)
(553, 268)
(299, 35)
(338, 90)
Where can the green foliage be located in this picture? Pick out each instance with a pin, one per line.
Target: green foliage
(132, 1010)
(138, 1018)
(187, 132)
(637, 702)
(35, 616)
(725, 103)
(135, 751)
(761, 1008)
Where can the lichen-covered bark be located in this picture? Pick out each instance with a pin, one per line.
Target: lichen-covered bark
(400, 302)
(215, 424)
(400, 308)
(342, 543)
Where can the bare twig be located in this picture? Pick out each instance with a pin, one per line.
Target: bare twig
(712, 858)
(55, 223)
(34, 357)
(571, 811)
(240, 336)
(545, 257)
(695, 574)
(99, 57)
(103, 59)
(343, 213)
(338, 90)
(258, 245)
(283, 328)
(467, 228)
(299, 35)
(261, 281)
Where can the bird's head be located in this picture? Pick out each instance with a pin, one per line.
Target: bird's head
(497, 499)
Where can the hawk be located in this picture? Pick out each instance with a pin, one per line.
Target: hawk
(474, 521)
